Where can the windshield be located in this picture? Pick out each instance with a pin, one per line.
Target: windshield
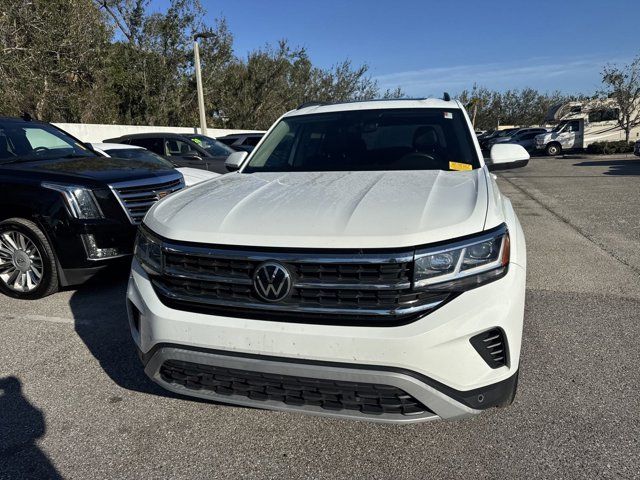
(138, 154)
(366, 140)
(211, 145)
(507, 133)
(560, 126)
(24, 141)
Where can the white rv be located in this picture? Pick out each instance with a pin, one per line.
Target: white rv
(580, 124)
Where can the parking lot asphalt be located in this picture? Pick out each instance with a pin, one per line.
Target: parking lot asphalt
(77, 405)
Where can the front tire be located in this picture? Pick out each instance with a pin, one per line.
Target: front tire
(28, 267)
(554, 149)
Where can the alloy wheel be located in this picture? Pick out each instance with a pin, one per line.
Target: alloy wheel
(21, 265)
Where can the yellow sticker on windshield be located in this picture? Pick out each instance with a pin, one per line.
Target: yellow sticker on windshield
(197, 140)
(459, 166)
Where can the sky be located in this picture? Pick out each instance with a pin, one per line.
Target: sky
(427, 47)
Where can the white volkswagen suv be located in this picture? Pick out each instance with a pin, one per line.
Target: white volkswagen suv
(361, 263)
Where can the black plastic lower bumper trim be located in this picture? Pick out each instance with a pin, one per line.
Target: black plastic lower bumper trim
(482, 398)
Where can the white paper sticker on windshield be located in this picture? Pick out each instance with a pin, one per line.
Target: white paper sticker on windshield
(448, 115)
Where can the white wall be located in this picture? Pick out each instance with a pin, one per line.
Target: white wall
(97, 133)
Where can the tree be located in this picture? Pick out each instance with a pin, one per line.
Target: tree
(253, 93)
(51, 60)
(622, 84)
(151, 62)
(511, 107)
(117, 61)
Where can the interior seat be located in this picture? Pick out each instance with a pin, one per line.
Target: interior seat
(427, 152)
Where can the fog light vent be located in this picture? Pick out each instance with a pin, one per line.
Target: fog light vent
(492, 347)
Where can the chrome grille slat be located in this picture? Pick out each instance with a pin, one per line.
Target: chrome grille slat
(354, 286)
(288, 257)
(288, 307)
(137, 196)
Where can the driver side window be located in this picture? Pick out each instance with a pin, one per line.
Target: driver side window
(573, 127)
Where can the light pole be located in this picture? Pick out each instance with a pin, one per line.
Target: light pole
(196, 56)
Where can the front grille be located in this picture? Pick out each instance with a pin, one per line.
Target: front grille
(332, 396)
(345, 287)
(392, 272)
(138, 196)
(313, 297)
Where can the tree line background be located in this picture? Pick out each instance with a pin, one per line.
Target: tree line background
(115, 61)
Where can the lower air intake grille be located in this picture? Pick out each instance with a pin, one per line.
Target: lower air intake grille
(492, 347)
(329, 395)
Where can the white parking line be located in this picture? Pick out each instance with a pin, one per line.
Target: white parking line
(44, 318)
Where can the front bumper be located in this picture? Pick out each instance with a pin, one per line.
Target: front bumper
(78, 245)
(430, 359)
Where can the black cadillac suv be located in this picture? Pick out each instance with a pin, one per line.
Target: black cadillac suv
(67, 212)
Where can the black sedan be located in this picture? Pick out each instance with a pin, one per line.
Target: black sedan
(183, 150)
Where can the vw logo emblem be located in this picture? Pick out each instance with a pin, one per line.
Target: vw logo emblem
(272, 282)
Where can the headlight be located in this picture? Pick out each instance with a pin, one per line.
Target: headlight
(465, 264)
(148, 251)
(80, 201)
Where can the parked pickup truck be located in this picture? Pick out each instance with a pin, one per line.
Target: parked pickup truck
(66, 212)
(361, 263)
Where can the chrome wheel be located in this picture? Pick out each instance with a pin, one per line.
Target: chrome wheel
(21, 264)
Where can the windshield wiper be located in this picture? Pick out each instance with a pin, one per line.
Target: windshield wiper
(74, 155)
(7, 161)
(42, 158)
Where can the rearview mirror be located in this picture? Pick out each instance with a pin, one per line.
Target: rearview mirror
(233, 161)
(507, 155)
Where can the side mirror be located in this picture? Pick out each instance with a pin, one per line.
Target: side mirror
(505, 156)
(233, 161)
(192, 156)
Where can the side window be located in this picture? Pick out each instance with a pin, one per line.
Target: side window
(40, 138)
(177, 148)
(604, 115)
(251, 141)
(217, 150)
(152, 144)
(529, 136)
(574, 126)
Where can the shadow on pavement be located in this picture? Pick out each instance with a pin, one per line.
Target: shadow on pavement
(21, 424)
(616, 167)
(100, 315)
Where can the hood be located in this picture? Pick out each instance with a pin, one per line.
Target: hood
(326, 209)
(195, 175)
(99, 169)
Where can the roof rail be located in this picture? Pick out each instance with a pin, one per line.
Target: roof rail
(310, 104)
(446, 97)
